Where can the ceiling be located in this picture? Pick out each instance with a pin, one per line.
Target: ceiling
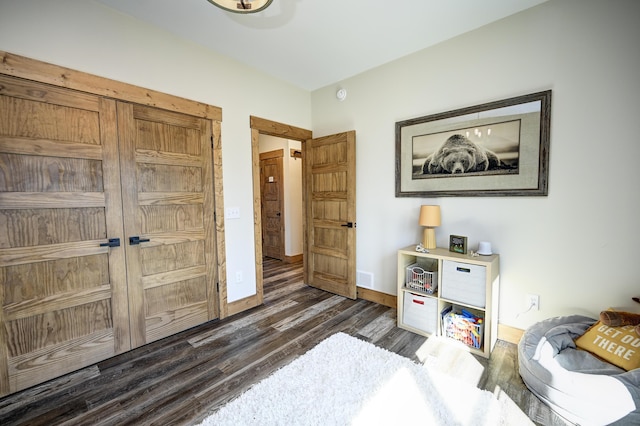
(314, 43)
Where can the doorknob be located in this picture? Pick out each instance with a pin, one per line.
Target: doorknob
(113, 242)
(349, 225)
(137, 240)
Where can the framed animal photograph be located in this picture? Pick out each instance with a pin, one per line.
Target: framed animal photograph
(495, 149)
(458, 244)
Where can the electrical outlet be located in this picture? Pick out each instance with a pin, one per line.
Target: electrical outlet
(533, 302)
(239, 276)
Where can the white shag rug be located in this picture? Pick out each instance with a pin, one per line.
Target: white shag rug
(346, 381)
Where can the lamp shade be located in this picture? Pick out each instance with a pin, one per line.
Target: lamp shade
(429, 216)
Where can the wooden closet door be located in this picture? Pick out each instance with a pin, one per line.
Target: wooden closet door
(167, 184)
(63, 295)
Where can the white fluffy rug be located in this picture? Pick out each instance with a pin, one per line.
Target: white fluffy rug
(346, 381)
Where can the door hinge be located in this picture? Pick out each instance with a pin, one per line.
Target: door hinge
(217, 287)
(211, 141)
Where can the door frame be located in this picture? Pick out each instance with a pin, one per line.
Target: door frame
(272, 128)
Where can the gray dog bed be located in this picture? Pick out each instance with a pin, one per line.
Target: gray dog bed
(574, 383)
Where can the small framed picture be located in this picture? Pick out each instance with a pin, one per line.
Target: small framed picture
(458, 244)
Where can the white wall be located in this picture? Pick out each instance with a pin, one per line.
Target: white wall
(89, 37)
(577, 247)
(293, 207)
(292, 191)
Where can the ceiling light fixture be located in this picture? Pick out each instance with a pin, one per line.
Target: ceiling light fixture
(241, 6)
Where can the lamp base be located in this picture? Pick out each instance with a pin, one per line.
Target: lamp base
(429, 238)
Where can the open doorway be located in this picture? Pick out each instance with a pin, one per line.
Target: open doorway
(328, 198)
(262, 127)
(281, 198)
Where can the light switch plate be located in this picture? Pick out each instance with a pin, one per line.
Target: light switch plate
(232, 212)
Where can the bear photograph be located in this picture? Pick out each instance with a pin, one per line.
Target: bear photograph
(487, 149)
(496, 148)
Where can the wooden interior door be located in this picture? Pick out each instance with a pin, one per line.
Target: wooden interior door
(330, 219)
(63, 290)
(167, 185)
(271, 186)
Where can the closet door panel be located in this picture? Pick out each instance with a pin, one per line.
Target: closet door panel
(168, 192)
(63, 298)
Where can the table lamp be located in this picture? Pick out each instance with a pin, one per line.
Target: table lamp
(430, 219)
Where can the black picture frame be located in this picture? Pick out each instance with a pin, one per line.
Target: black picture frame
(498, 148)
(458, 244)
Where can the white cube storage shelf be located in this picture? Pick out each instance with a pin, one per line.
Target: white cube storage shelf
(463, 282)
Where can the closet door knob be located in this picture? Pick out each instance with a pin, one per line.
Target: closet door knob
(113, 242)
(137, 240)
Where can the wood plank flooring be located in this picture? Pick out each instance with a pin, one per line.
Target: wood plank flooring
(181, 379)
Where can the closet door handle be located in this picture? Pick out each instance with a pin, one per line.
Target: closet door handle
(133, 241)
(113, 242)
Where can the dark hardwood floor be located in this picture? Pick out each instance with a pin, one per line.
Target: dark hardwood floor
(181, 379)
